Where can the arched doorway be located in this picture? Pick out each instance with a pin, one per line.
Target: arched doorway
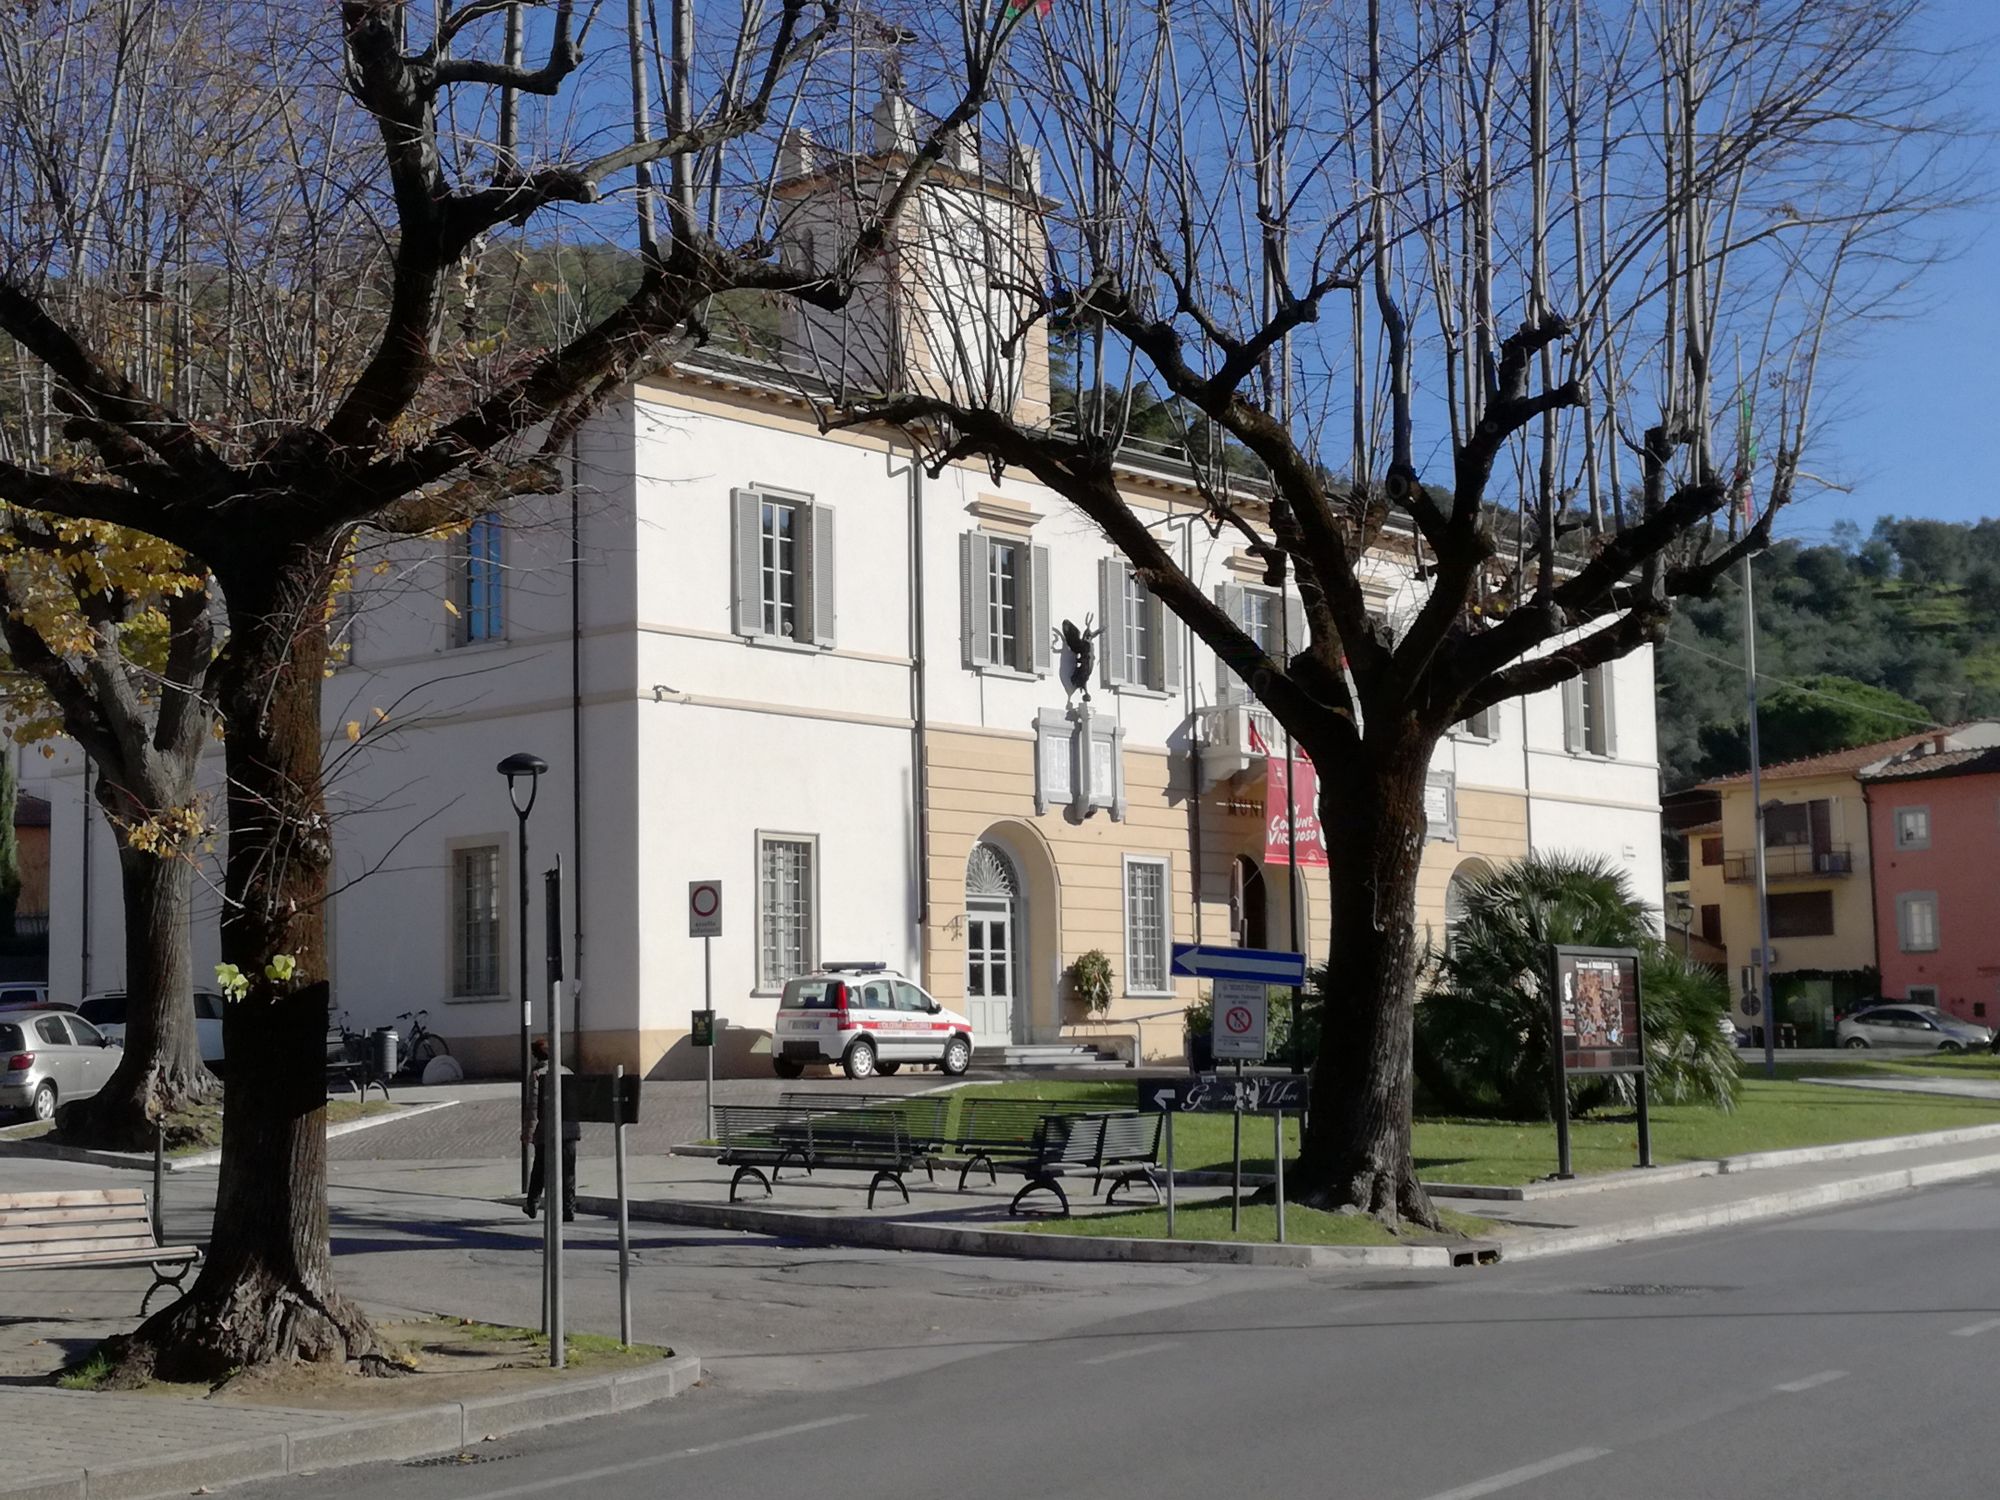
(995, 925)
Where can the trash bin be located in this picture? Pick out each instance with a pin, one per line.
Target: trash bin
(384, 1045)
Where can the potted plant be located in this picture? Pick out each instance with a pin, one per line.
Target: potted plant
(1196, 1022)
(1090, 983)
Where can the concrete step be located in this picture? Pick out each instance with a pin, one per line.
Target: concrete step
(1039, 1055)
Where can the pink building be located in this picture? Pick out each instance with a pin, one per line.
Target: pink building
(1934, 828)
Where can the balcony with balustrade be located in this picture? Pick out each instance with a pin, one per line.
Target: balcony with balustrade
(1791, 862)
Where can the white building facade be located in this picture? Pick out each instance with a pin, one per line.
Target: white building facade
(790, 660)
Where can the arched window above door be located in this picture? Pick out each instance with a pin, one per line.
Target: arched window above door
(990, 874)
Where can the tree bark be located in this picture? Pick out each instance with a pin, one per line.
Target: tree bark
(1357, 1150)
(266, 1293)
(161, 1071)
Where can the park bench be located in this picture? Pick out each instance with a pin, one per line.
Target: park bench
(1121, 1147)
(754, 1137)
(989, 1128)
(105, 1227)
(923, 1114)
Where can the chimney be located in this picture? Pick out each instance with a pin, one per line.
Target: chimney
(895, 124)
(797, 156)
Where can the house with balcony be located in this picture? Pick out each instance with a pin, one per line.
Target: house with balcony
(1820, 864)
(1934, 821)
(796, 662)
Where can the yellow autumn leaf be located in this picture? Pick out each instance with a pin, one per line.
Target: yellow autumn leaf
(354, 729)
(450, 606)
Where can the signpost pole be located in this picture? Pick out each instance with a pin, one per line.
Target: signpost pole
(624, 1227)
(708, 1052)
(1236, 1151)
(1559, 1079)
(1170, 1174)
(555, 1189)
(1278, 1160)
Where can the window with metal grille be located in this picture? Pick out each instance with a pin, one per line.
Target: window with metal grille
(778, 566)
(1003, 604)
(785, 909)
(1140, 623)
(1148, 930)
(475, 902)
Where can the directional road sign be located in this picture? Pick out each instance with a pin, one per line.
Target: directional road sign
(1213, 961)
(1259, 1094)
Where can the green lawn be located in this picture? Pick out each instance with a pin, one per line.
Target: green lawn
(1770, 1116)
(1303, 1226)
(1882, 1064)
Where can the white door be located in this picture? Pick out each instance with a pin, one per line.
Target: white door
(989, 972)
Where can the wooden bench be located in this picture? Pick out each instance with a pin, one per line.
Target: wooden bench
(756, 1136)
(923, 1114)
(107, 1227)
(1122, 1147)
(989, 1128)
(347, 1062)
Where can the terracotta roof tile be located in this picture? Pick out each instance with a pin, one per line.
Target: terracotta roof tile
(1834, 761)
(1946, 763)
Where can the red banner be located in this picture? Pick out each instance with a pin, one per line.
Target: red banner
(1291, 811)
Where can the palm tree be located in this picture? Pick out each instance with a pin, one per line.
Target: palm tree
(1483, 1042)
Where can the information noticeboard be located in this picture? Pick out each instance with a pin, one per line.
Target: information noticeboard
(1597, 1010)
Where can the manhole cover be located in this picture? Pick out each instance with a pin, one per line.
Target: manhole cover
(457, 1460)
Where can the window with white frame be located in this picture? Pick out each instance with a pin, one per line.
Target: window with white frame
(1484, 725)
(475, 921)
(1590, 713)
(1913, 828)
(478, 604)
(1269, 619)
(1003, 602)
(1140, 626)
(787, 908)
(1148, 926)
(784, 568)
(1917, 921)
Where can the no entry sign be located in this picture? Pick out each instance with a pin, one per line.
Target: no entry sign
(1239, 1025)
(704, 908)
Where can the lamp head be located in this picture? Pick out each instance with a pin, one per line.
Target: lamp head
(516, 766)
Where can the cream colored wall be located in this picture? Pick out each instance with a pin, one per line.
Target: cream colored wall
(1852, 945)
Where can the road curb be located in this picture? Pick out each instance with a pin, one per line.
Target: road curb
(1747, 1210)
(1751, 1161)
(136, 1161)
(369, 1438)
(890, 1234)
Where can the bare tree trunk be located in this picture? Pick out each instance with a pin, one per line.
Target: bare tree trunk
(1357, 1151)
(266, 1291)
(161, 1071)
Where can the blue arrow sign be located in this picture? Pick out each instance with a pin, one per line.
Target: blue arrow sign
(1212, 961)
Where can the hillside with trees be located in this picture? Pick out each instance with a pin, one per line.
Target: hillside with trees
(1857, 640)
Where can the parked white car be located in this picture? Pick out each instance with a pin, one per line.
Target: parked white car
(106, 1010)
(867, 1019)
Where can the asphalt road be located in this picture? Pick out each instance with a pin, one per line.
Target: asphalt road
(1850, 1354)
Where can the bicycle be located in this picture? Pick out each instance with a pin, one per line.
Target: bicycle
(420, 1045)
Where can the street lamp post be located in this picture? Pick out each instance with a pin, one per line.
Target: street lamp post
(529, 768)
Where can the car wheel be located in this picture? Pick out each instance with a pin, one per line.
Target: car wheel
(1951, 1046)
(885, 1069)
(45, 1102)
(860, 1060)
(957, 1056)
(788, 1067)
(1855, 1041)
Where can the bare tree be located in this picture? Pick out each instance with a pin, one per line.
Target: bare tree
(114, 634)
(399, 141)
(1464, 281)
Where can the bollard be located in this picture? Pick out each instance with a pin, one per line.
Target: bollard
(624, 1228)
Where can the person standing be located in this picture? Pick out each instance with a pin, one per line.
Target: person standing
(571, 1133)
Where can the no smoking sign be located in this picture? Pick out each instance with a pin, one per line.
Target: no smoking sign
(1238, 1033)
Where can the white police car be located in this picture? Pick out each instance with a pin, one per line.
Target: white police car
(869, 1020)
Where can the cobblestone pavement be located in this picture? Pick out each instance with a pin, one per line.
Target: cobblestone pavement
(53, 1431)
(488, 1124)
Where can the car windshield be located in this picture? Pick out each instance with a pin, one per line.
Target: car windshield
(105, 1010)
(809, 994)
(11, 1039)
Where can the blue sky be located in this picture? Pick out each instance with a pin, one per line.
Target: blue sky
(1911, 419)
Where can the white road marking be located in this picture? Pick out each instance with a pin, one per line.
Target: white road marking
(1497, 1482)
(1825, 1377)
(565, 1481)
(1139, 1353)
(1977, 1328)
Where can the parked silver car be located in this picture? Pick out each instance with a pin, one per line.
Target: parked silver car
(1923, 1027)
(50, 1056)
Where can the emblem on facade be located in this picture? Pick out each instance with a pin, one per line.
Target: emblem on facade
(1082, 647)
